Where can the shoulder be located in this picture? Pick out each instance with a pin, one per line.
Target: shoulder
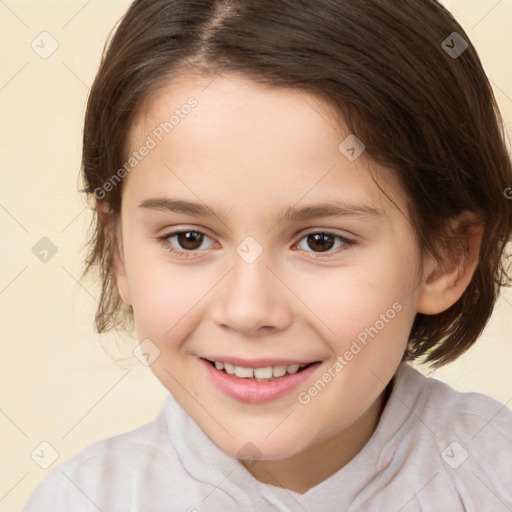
(108, 465)
(469, 414)
(467, 436)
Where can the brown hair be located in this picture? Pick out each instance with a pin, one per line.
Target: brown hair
(421, 110)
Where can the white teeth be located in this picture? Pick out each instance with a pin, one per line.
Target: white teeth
(246, 373)
(293, 368)
(230, 369)
(279, 371)
(263, 374)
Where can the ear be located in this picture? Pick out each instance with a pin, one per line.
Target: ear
(113, 235)
(445, 280)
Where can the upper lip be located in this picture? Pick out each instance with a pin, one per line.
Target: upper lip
(258, 363)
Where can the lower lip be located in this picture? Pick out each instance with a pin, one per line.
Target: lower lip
(251, 392)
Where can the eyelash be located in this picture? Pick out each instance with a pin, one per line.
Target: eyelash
(347, 243)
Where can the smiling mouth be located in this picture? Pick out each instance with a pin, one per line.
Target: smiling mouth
(265, 374)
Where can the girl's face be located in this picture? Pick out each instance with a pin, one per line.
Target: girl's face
(304, 261)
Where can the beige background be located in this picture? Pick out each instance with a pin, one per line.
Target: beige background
(58, 384)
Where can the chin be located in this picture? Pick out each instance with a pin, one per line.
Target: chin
(257, 447)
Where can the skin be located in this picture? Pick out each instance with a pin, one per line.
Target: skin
(252, 152)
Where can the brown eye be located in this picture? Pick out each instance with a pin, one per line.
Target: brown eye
(320, 241)
(186, 242)
(189, 240)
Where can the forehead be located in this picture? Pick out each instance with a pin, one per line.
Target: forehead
(230, 105)
(251, 141)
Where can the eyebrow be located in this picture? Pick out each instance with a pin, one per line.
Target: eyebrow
(292, 214)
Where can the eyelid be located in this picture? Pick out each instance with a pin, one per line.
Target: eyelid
(332, 231)
(165, 239)
(347, 243)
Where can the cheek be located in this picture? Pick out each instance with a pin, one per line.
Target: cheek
(355, 298)
(163, 294)
(168, 298)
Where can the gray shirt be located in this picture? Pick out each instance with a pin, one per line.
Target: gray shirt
(434, 449)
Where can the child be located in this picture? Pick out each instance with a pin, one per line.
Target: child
(225, 141)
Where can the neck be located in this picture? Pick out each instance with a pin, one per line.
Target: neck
(312, 466)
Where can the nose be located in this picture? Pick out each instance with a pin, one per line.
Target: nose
(252, 299)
